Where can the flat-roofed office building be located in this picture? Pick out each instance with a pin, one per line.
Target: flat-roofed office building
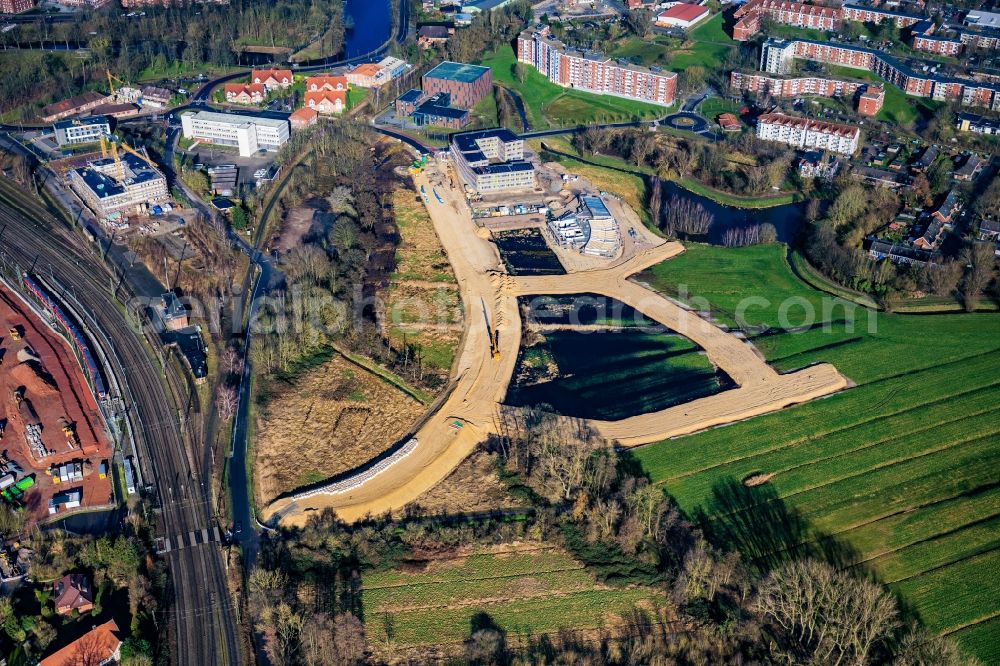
(249, 134)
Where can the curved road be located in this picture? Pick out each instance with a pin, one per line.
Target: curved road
(482, 379)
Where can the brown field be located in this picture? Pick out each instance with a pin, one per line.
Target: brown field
(423, 307)
(334, 418)
(41, 366)
(471, 487)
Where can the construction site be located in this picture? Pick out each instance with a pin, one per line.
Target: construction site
(54, 451)
(493, 337)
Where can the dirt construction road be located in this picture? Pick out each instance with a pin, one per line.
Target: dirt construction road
(481, 380)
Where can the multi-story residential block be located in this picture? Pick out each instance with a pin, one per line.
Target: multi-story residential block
(249, 134)
(809, 134)
(871, 100)
(915, 80)
(492, 160)
(777, 86)
(592, 71)
(16, 6)
(801, 15)
(77, 131)
(109, 187)
(366, 75)
(924, 37)
(878, 15)
(272, 78)
(466, 84)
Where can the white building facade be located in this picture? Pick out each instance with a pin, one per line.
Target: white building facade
(249, 134)
(805, 133)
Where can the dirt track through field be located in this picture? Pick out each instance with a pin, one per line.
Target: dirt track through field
(481, 380)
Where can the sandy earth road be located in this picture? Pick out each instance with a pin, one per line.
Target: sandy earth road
(488, 292)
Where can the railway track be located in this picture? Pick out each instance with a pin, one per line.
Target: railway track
(204, 632)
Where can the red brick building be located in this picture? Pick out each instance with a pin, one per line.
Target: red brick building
(877, 15)
(15, 6)
(778, 86)
(871, 100)
(798, 14)
(594, 72)
(466, 84)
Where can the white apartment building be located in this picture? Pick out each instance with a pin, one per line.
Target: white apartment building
(492, 160)
(248, 133)
(77, 131)
(777, 56)
(811, 134)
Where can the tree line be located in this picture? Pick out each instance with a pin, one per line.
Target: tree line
(797, 607)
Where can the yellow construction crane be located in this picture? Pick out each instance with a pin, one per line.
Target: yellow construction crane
(115, 144)
(111, 79)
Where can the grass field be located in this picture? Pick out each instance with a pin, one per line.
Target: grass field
(896, 475)
(525, 592)
(422, 303)
(712, 30)
(549, 105)
(898, 107)
(713, 106)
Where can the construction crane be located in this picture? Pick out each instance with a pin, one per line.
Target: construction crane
(112, 142)
(111, 79)
(493, 334)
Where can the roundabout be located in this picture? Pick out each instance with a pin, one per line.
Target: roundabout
(690, 122)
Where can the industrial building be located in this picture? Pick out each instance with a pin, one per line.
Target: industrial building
(248, 133)
(592, 71)
(466, 84)
(110, 187)
(77, 131)
(492, 160)
(591, 229)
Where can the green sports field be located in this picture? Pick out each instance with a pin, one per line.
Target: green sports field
(527, 592)
(897, 475)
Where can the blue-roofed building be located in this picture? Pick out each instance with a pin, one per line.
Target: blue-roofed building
(434, 109)
(492, 160)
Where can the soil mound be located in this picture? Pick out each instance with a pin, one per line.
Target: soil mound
(36, 382)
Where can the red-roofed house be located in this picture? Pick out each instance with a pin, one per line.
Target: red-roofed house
(303, 118)
(272, 78)
(245, 93)
(318, 83)
(73, 593)
(327, 101)
(682, 16)
(99, 646)
(729, 122)
(365, 75)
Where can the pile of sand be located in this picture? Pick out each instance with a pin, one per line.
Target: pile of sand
(36, 382)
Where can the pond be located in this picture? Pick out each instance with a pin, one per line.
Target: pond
(787, 219)
(592, 357)
(369, 25)
(525, 252)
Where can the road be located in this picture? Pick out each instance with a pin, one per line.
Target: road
(201, 610)
(489, 296)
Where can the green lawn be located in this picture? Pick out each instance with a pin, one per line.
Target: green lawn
(355, 96)
(712, 31)
(713, 106)
(551, 105)
(899, 108)
(895, 476)
(703, 54)
(524, 593)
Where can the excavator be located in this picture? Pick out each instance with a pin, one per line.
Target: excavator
(493, 334)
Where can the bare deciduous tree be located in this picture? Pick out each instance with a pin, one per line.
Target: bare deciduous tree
(226, 401)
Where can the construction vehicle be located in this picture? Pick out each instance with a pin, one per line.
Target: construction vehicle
(493, 334)
(18, 397)
(418, 165)
(69, 431)
(15, 333)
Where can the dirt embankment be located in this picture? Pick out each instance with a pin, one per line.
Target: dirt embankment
(331, 419)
